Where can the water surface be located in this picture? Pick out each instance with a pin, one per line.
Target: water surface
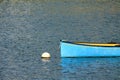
(30, 27)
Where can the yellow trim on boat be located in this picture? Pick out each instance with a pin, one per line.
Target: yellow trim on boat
(97, 44)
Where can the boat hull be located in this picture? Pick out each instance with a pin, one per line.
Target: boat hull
(77, 50)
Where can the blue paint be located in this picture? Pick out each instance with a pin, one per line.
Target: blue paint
(75, 50)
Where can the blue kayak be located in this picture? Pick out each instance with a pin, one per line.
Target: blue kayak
(86, 49)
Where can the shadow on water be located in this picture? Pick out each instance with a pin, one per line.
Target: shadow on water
(90, 68)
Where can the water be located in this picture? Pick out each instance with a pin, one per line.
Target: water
(90, 68)
(28, 28)
(65, 69)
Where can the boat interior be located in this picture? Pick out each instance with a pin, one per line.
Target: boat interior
(109, 44)
(98, 44)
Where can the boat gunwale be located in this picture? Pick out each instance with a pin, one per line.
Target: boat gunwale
(83, 43)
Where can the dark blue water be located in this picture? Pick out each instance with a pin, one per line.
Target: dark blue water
(28, 28)
(90, 68)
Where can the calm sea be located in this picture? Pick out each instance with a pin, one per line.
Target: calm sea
(30, 27)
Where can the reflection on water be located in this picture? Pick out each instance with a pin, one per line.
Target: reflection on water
(45, 59)
(90, 68)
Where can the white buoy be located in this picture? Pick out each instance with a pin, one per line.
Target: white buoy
(45, 55)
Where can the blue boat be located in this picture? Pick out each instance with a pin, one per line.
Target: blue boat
(86, 49)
